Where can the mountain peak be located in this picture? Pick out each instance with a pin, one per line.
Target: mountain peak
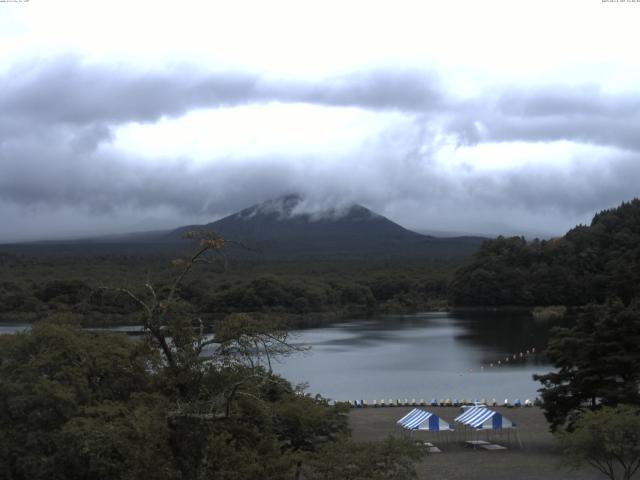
(297, 225)
(299, 208)
(282, 207)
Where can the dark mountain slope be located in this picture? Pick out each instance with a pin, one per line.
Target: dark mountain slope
(282, 227)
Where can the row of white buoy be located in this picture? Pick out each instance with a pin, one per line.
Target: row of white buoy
(441, 403)
(503, 361)
(511, 358)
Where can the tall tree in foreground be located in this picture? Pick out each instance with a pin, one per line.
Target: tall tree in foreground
(597, 363)
(86, 405)
(77, 404)
(608, 440)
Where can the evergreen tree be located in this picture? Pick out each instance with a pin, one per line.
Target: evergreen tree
(597, 363)
(588, 264)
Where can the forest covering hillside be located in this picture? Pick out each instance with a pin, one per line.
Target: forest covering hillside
(589, 264)
(284, 229)
(299, 293)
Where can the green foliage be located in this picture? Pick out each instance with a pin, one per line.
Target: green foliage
(232, 459)
(81, 405)
(65, 291)
(124, 440)
(607, 439)
(597, 361)
(56, 379)
(588, 264)
(552, 312)
(392, 459)
(75, 404)
(302, 293)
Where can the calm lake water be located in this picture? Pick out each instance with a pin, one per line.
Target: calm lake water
(426, 355)
(429, 355)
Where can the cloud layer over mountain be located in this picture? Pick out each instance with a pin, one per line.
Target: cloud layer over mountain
(498, 157)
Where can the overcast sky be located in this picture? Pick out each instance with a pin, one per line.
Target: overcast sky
(475, 116)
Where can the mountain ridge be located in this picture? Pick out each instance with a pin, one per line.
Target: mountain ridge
(286, 225)
(293, 226)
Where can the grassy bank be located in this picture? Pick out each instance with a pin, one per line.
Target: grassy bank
(538, 459)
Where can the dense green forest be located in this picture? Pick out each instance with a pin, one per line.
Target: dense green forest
(82, 405)
(85, 405)
(587, 265)
(591, 399)
(301, 293)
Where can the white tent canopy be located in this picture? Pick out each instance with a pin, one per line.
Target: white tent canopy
(418, 419)
(482, 418)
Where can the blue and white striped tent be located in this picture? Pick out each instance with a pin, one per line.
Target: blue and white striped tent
(418, 419)
(482, 418)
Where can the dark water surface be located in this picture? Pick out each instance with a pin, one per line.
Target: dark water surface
(426, 355)
(6, 328)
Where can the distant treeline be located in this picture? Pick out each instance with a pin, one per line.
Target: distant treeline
(301, 293)
(588, 265)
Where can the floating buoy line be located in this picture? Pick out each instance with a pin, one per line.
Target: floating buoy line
(509, 359)
(439, 403)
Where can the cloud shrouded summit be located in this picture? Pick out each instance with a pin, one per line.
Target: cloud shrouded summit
(434, 160)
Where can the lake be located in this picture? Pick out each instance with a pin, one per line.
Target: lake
(427, 355)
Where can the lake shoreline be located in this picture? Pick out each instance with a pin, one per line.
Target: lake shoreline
(421, 356)
(292, 321)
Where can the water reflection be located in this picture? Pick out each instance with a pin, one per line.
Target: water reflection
(505, 335)
(422, 356)
(416, 356)
(7, 328)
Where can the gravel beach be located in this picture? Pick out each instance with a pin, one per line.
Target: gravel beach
(538, 459)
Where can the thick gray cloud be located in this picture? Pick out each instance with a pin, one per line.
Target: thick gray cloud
(585, 100)
(405, 90)
(580, 114)
(67, 91)
(56, 115)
